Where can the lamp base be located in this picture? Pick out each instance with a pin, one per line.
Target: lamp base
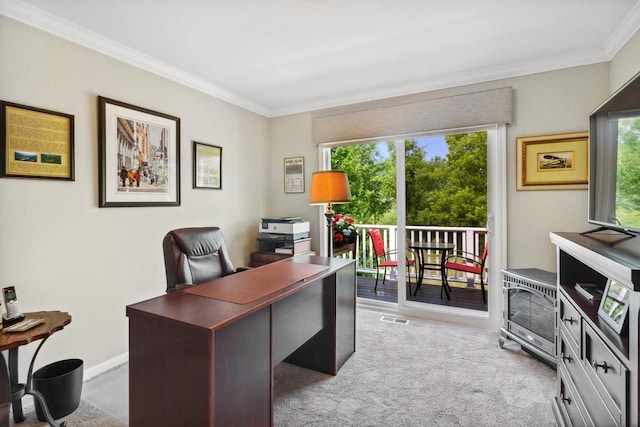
(329, 214)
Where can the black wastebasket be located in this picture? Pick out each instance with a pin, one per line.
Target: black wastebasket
(60, 383)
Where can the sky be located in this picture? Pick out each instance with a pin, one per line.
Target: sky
(434, 146)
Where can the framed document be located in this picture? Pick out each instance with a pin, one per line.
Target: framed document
(36, 143)
(294, 175)
(207, 166)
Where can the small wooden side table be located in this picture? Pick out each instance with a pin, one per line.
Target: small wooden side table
(11, 391)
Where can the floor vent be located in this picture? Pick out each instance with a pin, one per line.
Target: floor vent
(394, 320)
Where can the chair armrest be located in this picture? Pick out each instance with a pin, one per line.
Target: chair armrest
(182, 286)
(239, 269)
(468, 257)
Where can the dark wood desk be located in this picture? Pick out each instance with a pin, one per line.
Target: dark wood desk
(202, 361)
(12, 391)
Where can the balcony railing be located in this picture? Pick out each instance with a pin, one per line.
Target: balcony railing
(468, 239)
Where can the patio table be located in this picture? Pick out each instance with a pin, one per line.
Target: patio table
(421, 248)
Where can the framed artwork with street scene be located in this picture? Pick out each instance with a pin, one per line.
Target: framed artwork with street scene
(139, 156)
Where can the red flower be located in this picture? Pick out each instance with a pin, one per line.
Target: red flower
(339, 238)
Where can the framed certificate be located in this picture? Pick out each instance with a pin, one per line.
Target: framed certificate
(294, 175)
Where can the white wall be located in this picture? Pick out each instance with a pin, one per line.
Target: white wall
(58, 248)
(544, 104)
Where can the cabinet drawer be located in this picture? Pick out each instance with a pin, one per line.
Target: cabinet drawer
(569, 317)
(607, 373)
(592, 408)
(569, 400)
(569, 356)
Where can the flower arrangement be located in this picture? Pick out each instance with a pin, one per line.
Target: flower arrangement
(343, 229)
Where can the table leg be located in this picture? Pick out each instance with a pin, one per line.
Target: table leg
(17, 389)
(420, 271)
(5, 394)
(35, 393)
(443, 273)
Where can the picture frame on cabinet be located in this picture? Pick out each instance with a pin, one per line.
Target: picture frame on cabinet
(614, 305)
(207, 166)
(553, 162)
(36, 143)
(139, 156)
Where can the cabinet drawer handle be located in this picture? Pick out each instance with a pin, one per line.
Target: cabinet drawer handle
(567, 358)
(602, 365)
(569, 320)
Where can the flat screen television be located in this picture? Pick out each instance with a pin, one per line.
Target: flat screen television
(614, 161)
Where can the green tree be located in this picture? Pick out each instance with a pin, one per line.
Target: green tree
(458, 195)
(449, 191)
(365, 166)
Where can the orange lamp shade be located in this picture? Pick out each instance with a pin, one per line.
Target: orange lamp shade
(328, 187)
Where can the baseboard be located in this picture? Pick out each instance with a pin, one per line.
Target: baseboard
(105, 366)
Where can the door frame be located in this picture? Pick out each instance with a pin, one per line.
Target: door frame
(496, 234)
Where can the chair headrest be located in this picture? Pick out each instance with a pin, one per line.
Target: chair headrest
(196, 241)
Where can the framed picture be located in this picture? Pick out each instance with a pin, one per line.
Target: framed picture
(614, 305)
(207, 166)
(553, 162)
(36, 143)
(139, 156)
(294, 175)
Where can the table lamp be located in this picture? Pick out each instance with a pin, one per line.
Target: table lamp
(329, 187)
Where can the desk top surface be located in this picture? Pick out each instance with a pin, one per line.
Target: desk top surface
(211, 313)
(254, 284)
(53, 322)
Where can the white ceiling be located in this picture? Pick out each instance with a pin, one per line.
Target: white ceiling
(277, 57)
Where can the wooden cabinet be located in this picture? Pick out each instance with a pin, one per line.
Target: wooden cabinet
(256, 259)
(598, 381)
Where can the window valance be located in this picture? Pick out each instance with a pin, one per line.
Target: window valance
(451, 112)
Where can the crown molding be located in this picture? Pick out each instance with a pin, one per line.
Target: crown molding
(627, 29)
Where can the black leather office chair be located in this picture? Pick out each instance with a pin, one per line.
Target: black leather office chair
(195, 255)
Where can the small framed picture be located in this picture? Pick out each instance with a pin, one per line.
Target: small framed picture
(553, 162)
(614, 305)
(35, 143)
(139, 156)
(294, 175)
(207, 166)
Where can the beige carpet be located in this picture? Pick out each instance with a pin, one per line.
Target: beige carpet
(86, 415)
(423, 374)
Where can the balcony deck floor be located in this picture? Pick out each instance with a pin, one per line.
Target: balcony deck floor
(429, 293)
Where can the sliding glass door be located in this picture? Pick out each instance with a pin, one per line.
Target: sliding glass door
(428, 196)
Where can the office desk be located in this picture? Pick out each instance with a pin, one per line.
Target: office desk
(444, 249)
(12, 390)
(203, 361)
